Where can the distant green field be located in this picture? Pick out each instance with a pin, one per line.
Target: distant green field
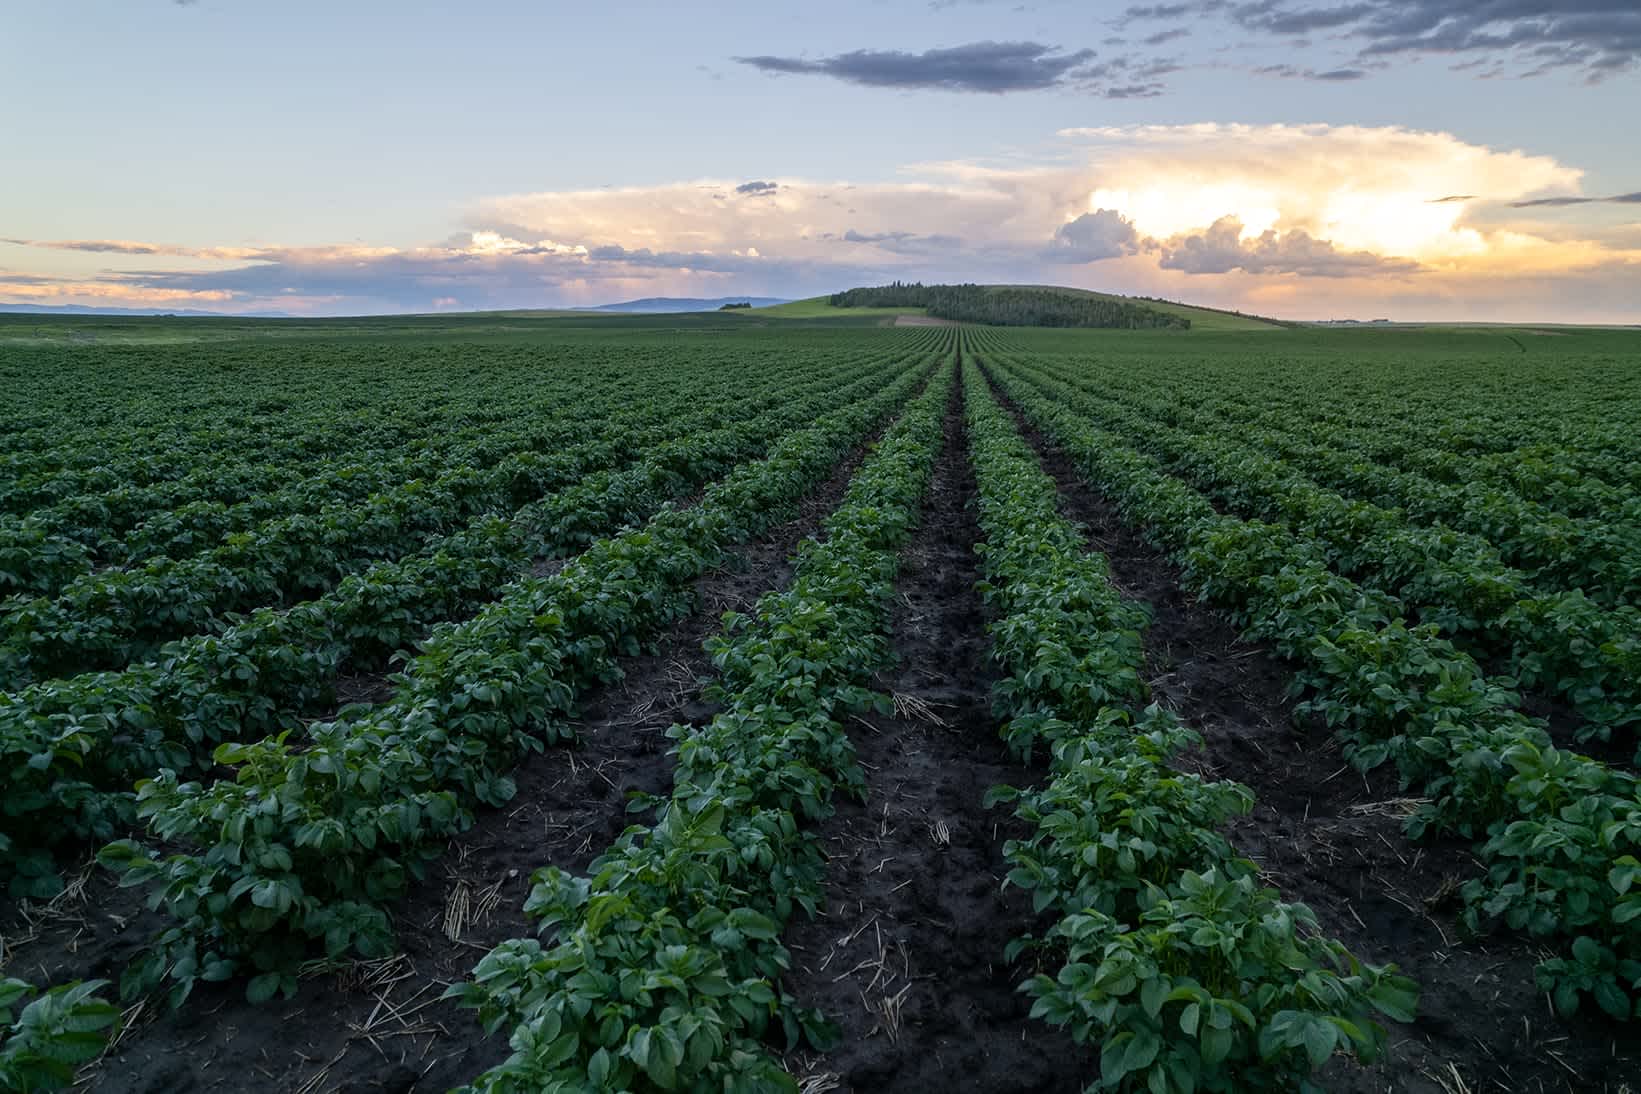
(816, 307)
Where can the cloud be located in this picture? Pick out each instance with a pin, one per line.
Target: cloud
(31, 288)
(1595, 37)
(1365, 188)
(1598, 36)
(1164, 36)
(1293, 72)
(129, 247)
(1616, 199)
(1222, 248)
(757, 186)
(852, 236)
(992, 67)
(1287, 19)
(1241, 216)
(1094, 237)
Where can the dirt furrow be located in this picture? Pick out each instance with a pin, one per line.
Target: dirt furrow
(907, 955)
(1330, 837)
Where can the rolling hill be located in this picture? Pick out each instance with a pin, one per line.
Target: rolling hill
(1203, 319)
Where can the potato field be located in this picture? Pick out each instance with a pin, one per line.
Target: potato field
(711, 704)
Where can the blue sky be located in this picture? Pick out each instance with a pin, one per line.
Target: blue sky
(1286, 156)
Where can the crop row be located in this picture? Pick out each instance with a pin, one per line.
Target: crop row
(174, 491)
(310, 841)
(112, 617)
(131, 523)
(1172, 958)
(152, 416)
(163, 461)
(1560, 834)
(70, 750)
(1484, 417)
(1551, 474)
(664, 969)
(1599, 554)
(1541, 426)
(1564, 643)
(1597, 551)
(49, 548)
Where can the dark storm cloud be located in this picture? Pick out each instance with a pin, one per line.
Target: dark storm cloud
(1452, 198)
(991, 67)
(1221, 249)
(757, 186)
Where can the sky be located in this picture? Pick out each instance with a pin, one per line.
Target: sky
(1411, 159)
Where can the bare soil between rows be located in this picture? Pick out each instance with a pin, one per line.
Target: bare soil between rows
(907, 955)
(1330, 837)
(380, 1026)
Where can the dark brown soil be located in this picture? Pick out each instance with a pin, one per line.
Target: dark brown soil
(1330, 837)
(380, 1026)
(907, 956)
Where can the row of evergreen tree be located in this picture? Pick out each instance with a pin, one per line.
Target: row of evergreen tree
(1010, 306)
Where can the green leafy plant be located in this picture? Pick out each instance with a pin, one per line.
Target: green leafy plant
(45, 1037)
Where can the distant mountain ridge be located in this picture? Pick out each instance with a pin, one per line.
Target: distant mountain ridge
(660, 304)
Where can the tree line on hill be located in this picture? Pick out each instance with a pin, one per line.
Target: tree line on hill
(1011, 306)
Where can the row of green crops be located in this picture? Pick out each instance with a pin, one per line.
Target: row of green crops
(1559, 834)
(1559, 424)
(71, 750)
(1559, 643)
(109, 617)
(98, 608)
(212, 472)
(300, 852)
(1595, 548)
(49, 548)
(90, 421)
(664, 967)
(1171, 956)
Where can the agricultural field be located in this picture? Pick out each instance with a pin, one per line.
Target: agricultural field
(777, 701)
